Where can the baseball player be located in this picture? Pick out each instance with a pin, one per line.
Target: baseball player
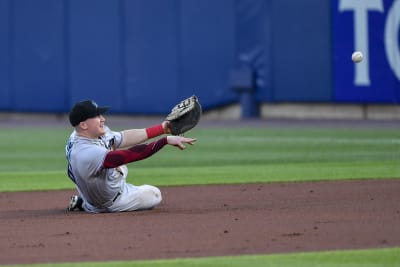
(97, 158)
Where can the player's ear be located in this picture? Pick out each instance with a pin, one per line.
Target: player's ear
(83, 125)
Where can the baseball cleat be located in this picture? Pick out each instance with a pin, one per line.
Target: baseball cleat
(75, 203)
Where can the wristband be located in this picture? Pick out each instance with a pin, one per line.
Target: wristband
(154, 131)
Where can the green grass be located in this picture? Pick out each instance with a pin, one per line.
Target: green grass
(34, 159)
(352, 258)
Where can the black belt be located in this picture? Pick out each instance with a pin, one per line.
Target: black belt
(115, 198)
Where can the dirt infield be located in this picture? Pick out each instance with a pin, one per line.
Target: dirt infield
(196, 221)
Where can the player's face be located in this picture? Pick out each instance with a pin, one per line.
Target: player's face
(95, 126)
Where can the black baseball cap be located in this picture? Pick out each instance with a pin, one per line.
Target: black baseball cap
(84, 110)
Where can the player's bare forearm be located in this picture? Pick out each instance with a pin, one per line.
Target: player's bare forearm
(137, 136)
(133, 137)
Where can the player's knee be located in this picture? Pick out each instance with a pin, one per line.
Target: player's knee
(151, 196)
(157, 196)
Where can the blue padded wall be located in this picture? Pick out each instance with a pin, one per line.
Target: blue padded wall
(142, 56)
(95, 52)
(151, 55)
(38, 55)
(5, 55)
(302, 53)
(254, 39)
(207, 47)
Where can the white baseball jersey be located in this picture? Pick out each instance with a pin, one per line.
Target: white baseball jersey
(104, 190)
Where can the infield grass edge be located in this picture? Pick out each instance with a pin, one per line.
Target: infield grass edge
(385, 257)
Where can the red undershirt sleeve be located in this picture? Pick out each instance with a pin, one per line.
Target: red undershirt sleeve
(117, 158)
(154, 131)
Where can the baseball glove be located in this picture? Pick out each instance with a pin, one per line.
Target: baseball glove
(184, 116)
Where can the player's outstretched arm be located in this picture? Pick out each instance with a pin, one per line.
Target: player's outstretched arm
(139, 152)
(133, 137)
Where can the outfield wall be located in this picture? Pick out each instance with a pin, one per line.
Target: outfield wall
(140, 57)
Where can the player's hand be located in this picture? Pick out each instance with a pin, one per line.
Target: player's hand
(180, 141)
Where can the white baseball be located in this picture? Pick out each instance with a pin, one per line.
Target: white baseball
(357, 57)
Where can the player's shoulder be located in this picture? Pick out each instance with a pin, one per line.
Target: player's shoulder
(82, 143)
(86, 151)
